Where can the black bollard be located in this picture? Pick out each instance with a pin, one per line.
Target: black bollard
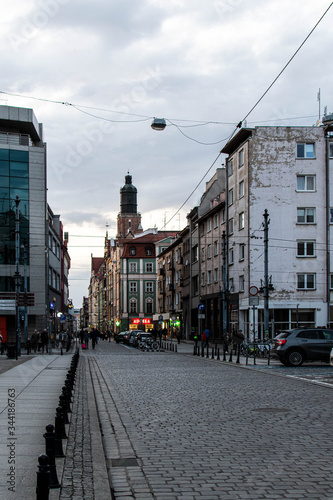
(213, 355)
(175, 347)
(67, 399)
(218, 354)
(43, 478)
(238, 353)
(224, 354)
(60, 428)
(230, 357)
(215, 348)
(50, 452)
(58, 452)
(62, 403)
(194, 350)
(207, 352)
(198, 351)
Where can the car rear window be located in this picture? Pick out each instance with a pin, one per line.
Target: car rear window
(283, 335)
(310, 334)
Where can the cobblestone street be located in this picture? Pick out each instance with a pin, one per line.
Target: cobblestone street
(176, 426)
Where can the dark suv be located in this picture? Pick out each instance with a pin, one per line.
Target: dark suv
(293, 347)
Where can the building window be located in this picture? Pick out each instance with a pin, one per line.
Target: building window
(231, 255)
(305, 150)
(306, 281)
(241, 189)
(209, 225)
(331, 150)
(306, 249)
(202, 255)
(202, 229)
(241, 283)
(195, 253)
(132, 287)
(149, 287)
(149, 306)
(230, 167)
(231, 226)
(216, 220)
(241, 158)
(305, 215)
(223, 216)
(132, 306)
(202, 279)
(241, 220)
(209, 252)
(331, 282)
(231, 196)
(132, 250)
(132, 267)
(231, 285)
(306, 183)
(149, 267)
(216, 275)
(241, 251)
(149, 251)
(216, 247)
(331, 215)
(209, 277)
(195, 285)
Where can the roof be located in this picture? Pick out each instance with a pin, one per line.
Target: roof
(96, 263)
(237, 140)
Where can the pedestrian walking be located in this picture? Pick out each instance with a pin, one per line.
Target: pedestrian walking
(206, 332)
(94, 337)
(203, 339)
(86, 338)
(44, 338)
(34, 340)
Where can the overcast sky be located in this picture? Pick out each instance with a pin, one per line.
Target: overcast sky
(188, 61)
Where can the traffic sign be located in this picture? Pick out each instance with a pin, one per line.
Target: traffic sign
(201, 316)
(201, 307)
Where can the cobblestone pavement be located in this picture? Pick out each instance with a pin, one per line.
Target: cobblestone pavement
(176, 426)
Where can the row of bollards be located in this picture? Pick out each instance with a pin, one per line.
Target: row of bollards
(215, 353)
(169, 347)
(47, 473)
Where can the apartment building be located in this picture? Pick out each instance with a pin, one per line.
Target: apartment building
(284, 171)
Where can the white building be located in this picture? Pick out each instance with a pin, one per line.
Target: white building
(286, 171)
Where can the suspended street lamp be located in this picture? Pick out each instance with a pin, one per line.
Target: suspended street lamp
(158, 124)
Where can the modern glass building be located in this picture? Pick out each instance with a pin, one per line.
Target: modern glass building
(22, 184)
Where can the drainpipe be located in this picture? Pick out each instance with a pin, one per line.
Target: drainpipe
(328, 201)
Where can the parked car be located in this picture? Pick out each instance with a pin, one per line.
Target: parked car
(130, 336)
(119, 337)
(142, 337)
(294, 347)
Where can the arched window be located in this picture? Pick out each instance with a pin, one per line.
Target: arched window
(149, 251)
(132, 250)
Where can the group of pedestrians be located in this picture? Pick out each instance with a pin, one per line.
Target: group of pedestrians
(230, 340)
(86, 336)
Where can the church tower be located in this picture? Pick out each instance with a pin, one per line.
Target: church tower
(129, 220)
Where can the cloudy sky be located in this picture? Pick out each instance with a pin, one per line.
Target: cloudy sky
(200, 64)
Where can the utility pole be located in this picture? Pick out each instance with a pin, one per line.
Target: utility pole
(266, 292)
(17, 277)
(224, 285)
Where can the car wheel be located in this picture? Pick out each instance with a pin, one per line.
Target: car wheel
(295, 358)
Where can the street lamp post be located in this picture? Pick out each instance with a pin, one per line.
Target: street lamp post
(17, 278)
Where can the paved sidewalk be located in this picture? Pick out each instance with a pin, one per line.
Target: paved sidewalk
(29, 395)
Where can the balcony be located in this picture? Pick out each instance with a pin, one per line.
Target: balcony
(15, 139)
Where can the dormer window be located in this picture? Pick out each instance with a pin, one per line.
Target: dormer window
(132, 251)
(149, 251)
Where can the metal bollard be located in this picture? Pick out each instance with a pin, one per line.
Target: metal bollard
(213, 355)
(194, 350)
(202, 351)
(218, 354)
(62, 403)
(50, 452)
(67, 399)
(224, 354)
(43, 478)
(58, 451)
(230, 357)
(207, 352)
(238, 353)
(60, 428)
(175, 347)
